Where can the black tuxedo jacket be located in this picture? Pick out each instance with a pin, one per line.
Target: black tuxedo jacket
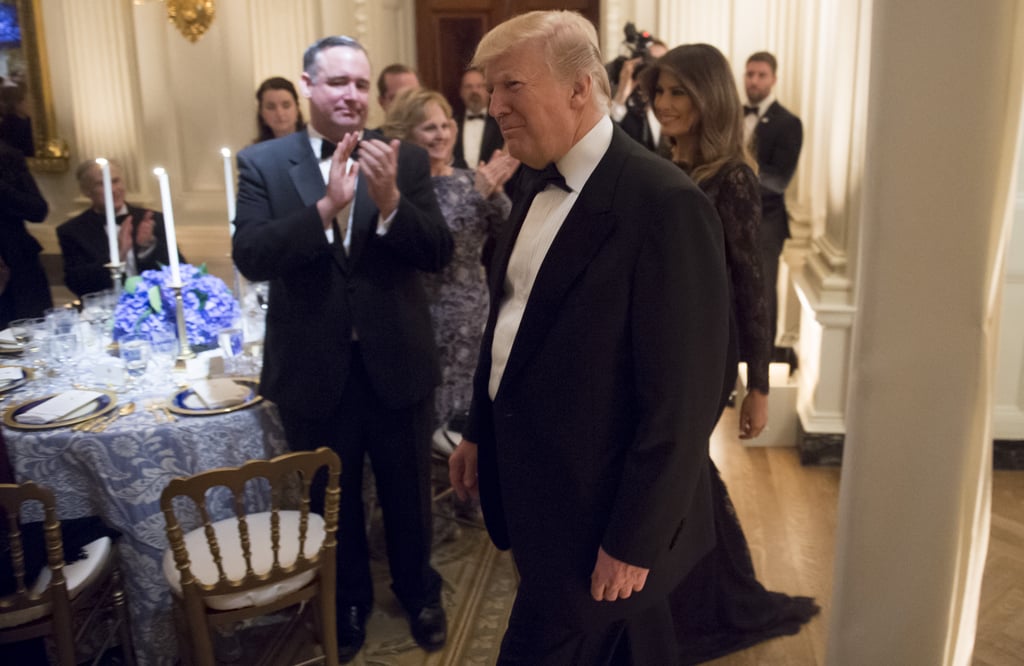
(778, 137)
(28, 292)
(491, 141)
(598, 434)
(83, 244)
(319, 295)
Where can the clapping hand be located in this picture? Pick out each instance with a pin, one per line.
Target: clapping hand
(493, 175)
(341, 181)
(378, 162)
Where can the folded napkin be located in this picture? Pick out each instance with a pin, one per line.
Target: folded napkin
(66, 405)
(216, 394)
(9, 375)
(8, 341)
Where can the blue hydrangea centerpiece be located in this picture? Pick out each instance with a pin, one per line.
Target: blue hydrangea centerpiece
(146, 306)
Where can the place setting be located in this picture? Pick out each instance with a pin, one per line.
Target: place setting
(61, 409)
(220, 395)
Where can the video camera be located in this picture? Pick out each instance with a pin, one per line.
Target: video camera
(636, 44)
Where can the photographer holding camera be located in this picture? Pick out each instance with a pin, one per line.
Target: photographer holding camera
(629, 108)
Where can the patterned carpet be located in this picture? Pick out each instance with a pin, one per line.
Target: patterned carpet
(479, 587)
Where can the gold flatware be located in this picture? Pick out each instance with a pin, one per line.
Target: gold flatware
(124, 411)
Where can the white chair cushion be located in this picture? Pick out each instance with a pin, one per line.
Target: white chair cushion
(229, 540)
(79, 575)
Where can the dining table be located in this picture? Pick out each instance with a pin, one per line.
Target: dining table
(119, 471)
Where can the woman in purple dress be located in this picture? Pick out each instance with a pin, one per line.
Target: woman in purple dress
(474, 206)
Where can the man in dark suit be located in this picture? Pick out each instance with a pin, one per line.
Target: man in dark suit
(478, 133)
(141, 238)
(24, 289)
(349, 355)
(777, 137)
(600, 369)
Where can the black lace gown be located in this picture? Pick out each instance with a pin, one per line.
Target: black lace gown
(721, 607)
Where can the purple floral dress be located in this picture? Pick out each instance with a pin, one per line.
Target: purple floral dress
(458, 295)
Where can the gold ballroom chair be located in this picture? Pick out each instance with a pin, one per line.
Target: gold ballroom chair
(64, 597)
(253, 564)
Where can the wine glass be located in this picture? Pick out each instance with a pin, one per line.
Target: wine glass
(134, 351)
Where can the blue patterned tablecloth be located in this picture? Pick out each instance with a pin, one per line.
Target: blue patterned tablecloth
(119, 474)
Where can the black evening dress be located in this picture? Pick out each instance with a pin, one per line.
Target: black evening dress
(721, 607)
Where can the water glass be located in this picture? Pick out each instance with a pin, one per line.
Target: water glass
(22, 330)
(99, 305)
(164, 347)
(134, 351)
(231, 343)
(64, 348)
(61, 321)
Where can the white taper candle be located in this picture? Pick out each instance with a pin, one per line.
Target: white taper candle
(108, 207)
(229, 188)
(172, 238)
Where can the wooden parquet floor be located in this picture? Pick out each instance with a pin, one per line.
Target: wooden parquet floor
(788, 513)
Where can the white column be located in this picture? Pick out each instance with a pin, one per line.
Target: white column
(104, 83)
(1008, 412)
(914, 502)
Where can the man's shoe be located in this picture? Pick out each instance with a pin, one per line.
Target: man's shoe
(429, 627)
(351, 622)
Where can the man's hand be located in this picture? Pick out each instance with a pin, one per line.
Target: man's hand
(145, 235)
(378, 162)
(614, 579)
(341, 182)
(626, 81)
(462, 470)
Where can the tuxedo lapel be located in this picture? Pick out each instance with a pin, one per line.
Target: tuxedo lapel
(305, 169)
(588, 225)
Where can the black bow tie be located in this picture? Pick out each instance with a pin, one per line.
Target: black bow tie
(327, 150)
(476, 116)
(549, 175)
(747, 110)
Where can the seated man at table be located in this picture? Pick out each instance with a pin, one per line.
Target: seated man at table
(141, 239)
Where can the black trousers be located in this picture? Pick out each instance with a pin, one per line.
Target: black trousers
(536, 638)
(398, 444)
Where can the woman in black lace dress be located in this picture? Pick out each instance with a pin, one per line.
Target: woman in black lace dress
(721, 607)
(474, 205)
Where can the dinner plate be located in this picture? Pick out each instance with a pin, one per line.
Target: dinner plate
(26, 374)
(178, 403)
(11, 350)
(101, 405)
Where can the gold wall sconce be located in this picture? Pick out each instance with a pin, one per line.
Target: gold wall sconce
(192, 18)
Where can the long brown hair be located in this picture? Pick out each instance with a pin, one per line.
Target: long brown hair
(264, 133)
(705, 74)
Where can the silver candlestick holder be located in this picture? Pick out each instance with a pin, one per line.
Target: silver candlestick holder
(184, 351)
(117, 278)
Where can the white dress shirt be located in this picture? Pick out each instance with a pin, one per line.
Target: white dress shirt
(472, 138)
(316, 140)
(750, 120)
(544, 219)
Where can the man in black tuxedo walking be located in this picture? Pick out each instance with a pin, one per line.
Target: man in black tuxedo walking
(600, 369)
(777, 137)
(349, 356)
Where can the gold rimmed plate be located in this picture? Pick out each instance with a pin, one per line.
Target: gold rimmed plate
(106, 401)
(26, 375)
(188, 402)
